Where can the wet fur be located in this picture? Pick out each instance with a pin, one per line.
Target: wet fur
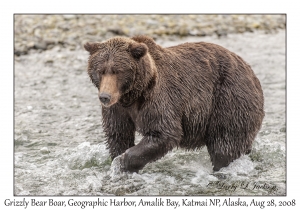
(188, 96)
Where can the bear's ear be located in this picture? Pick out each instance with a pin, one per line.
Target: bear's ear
(91, 47)
(138, 50)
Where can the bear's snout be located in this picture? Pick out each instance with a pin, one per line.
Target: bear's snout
(105, 98)
(108, 91)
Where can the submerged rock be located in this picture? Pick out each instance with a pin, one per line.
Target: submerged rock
(116, 166)
(45, 150)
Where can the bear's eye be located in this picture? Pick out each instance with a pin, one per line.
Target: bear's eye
(114, 71)
(99, 71)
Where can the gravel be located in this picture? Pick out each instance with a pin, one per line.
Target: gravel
(43, 32)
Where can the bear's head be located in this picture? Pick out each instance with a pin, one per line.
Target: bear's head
(121, 68)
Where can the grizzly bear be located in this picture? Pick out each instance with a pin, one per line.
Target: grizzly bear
(187, 96)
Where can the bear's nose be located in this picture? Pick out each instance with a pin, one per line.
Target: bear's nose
(104, 98)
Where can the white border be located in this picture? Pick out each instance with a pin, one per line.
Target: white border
(154, 6)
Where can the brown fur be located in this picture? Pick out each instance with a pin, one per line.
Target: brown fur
(188, 96)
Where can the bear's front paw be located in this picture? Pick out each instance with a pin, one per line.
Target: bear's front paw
(131, 161)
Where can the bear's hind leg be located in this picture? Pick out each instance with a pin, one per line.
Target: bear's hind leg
(219, 158)
(229, 135)
(233, 125)
(227, 140)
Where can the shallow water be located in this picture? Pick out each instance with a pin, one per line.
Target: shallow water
(59, 143)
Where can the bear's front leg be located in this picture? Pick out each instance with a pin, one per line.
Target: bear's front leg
(119, 130)
(148, 150)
